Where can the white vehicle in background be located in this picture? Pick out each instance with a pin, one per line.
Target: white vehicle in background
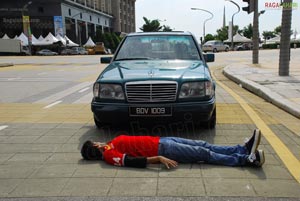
(79, 51)
(215, 46)
(46, 52)
(12, 47)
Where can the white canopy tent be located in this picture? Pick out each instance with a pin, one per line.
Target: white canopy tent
(89, 43)
(34, 41)
(5, 37)
(24, 39)
(238, 38)
(61, 39)
(41, 38)
(276, 39)
(49, 40)
(295, 37)
(70, 43)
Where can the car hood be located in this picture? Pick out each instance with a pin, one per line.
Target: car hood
(153, 70)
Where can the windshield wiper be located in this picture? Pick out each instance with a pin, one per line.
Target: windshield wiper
(137, 58)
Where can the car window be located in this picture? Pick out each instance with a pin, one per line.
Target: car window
(158, 47)
(209, 43)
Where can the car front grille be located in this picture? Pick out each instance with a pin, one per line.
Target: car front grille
(151, 91)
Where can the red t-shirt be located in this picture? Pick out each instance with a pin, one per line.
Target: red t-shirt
(115, 150)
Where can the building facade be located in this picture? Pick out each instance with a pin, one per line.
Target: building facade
(124, 15)
(78, 19)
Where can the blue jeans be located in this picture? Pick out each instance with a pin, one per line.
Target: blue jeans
(192, 151)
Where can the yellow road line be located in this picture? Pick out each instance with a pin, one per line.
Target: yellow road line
(287, 157)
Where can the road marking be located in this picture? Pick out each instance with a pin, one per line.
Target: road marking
(85, 99)
(3, 127)
(287, 157)
(52, 104)
(83, 90)
(44, 73)
(60, 95)
(12, 79)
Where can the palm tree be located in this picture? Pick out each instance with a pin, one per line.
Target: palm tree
(151, 25)
(167, 28)
(284, 57)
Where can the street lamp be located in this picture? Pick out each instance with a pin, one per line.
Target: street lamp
(212, 15)
(26, 5)
(232, 21)
(28, 25)
(261, 12)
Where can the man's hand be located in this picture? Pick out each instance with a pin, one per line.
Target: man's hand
(161, 159)
(168, 162)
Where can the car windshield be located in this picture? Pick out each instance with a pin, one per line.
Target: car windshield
(169, 47)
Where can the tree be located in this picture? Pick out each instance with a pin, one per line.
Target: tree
(98, 37)
(209, 37)
(284, 55)
(151, 25)
(268, 34)
(167, 28)
(248, 31)
(277, 30)
(222, 33)
(116, 40)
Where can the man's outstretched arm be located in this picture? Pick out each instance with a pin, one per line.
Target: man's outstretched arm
(141, 162)
(161, 159)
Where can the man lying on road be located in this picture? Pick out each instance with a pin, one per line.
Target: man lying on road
(138, 151)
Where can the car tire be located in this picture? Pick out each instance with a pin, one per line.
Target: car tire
(211, 123)
(215, 50)
(226, 49)
(98, 123)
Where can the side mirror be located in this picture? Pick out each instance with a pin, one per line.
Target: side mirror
(209, 57)
(105, 60)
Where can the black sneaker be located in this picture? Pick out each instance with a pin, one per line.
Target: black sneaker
(252, 143)
(257, 159)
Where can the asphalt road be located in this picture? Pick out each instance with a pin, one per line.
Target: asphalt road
(45, 117)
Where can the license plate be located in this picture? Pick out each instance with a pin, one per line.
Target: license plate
(150, 111)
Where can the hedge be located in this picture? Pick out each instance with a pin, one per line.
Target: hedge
(276, 45)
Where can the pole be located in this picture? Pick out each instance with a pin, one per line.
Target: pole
(255, 52)
(26, 24)
(204, 31)
(79, 33)
(232, 45)
(232, 24)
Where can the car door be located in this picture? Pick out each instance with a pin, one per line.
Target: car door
(221, 46)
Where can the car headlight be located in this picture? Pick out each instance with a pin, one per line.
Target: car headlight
(108, 91)
(196, 90)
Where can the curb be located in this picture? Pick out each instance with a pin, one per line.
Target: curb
(3, 65)
(264, 92)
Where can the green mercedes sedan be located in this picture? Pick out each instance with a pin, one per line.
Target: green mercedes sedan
(156, 77)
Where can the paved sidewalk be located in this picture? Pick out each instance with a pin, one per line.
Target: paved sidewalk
(263, 80)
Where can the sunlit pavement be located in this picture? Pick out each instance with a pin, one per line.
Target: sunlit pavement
(45, 117)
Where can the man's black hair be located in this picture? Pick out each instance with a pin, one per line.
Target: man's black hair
(90, 152)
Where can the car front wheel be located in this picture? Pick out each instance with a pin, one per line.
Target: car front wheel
(215, 50)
